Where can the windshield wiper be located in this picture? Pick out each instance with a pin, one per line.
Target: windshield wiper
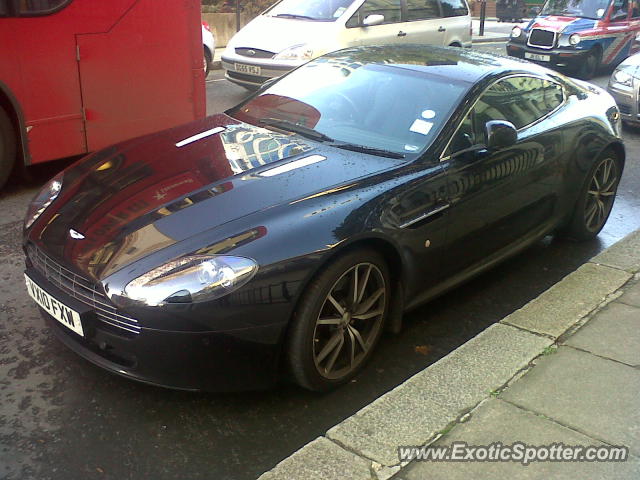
(321, 137)
(370, 150)
(295, 128)
(293, 15)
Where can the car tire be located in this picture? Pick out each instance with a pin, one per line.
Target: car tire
(207, 62)
(596, 198)
(336, 327)
(589, 68)
(7, 147)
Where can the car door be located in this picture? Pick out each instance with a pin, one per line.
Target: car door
(456, 22)
(499, 198)
(389, 31)
(423, 22)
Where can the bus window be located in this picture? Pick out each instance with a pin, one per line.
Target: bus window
(31, 8)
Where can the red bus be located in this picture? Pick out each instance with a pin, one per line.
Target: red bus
(78, 75)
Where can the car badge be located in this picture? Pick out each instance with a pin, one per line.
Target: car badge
(75, 234)
(251, 53)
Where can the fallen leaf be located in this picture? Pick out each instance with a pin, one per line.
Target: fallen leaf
(422, 349)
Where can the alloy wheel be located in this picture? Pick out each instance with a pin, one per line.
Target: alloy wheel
(601, 194)
(349, 321)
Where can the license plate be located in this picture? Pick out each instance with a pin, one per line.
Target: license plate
(252, 69)
(65, 315)
(537, 56)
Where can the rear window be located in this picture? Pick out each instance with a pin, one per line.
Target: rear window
(453, 8)
(422, 9)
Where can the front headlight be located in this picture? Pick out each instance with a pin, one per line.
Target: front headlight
(297, 52)
(516, 32)
(190, 279)
(622, 78)
(574, 39)
(45, 197)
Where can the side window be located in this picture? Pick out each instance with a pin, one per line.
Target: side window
(519, 100)
(389, 8)
(422, 9)
(619, 10)
(453, 8)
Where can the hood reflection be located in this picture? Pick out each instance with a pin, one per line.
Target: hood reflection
(114, 199)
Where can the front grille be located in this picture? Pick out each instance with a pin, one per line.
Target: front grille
(542, 38)
(626, 109)
(254, 53)
(81, 289)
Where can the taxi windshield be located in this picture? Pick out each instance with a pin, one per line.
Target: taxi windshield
(595, 9)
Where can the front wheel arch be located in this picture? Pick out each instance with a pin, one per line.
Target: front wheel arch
(397, 271)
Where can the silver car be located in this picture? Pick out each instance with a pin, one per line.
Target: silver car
(292, 32)
(624, 85)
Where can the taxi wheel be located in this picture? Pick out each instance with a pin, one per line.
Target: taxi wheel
(7, 147)
(591, 65)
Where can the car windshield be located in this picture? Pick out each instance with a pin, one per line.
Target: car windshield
(317, 10)
(576, 8)
(398, 109)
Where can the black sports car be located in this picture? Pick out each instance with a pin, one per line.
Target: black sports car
(285, 235)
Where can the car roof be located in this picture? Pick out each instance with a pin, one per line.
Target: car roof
(461, 64)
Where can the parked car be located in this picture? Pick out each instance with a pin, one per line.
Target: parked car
(293, 32)
(624, 85)
(286, 234)
(511, 10)
(579, 36)
(209, 43)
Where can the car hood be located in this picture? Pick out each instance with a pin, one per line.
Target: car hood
(563, 24)
(277, 34)
(131, 200)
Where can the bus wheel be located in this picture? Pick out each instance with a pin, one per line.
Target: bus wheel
(7, 147)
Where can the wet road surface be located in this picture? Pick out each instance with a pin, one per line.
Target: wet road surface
(63, 418)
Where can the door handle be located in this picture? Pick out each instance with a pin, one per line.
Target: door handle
(442, 29)
(402, 34)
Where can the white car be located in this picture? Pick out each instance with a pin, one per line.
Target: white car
(209, 43)
(293, 32)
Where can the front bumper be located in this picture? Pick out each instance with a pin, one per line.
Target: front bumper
(563, 58)
(627, 101)
(238, 69)
(233, 360)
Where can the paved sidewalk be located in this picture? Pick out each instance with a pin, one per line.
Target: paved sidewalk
(565, 368)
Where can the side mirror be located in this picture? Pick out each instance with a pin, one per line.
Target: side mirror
(500, 134)
(371, 20)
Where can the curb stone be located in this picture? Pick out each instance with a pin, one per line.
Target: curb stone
(364, 446)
